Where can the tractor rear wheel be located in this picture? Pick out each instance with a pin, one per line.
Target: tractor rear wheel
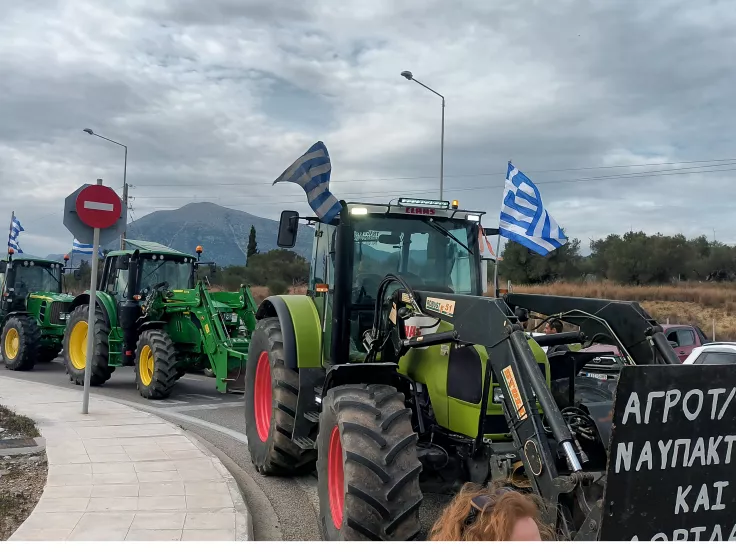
(367, 464)
(49, 353)
(155, 365)
(21, 340)
(271, 391)
(75, 347)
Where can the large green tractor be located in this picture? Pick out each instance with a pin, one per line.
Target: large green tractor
(303, 405)
(155, 314)
(33, 310)
(395, 376)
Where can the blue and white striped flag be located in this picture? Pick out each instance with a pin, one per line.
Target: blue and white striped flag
(15, 229)
(85, 248)
(312, 172)
(523, 217)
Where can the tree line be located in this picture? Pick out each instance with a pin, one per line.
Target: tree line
(634, 258)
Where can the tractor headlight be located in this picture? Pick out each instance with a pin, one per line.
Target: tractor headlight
(64, 316)
(234, 317)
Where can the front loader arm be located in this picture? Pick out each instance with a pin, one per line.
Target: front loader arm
(487, 322)
(637, 331)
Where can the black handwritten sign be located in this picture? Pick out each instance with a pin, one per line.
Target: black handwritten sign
(672, 459)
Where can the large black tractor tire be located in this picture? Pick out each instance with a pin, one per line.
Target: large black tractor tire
(367, 464)
(155, 365)
(75, 347)
(271, 391)
(49, 353)
(21, 341)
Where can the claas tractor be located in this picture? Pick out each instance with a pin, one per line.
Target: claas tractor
(156, 314)
(395, 376)
(33, 310)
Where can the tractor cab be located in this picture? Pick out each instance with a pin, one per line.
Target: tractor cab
(432, 245)
(136, 271)
(21, 276)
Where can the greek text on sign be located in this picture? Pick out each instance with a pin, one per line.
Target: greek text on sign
(673, 447)
(508, 375)
(441, 306)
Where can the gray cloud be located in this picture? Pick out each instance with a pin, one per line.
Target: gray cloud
(215, 99)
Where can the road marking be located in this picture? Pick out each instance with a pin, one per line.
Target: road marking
(172, 401)
(164, 412)
(197, 395)
(201, 407)
(98, 206)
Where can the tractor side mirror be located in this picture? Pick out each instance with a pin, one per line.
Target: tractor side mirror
(288, 228)
(213, 269)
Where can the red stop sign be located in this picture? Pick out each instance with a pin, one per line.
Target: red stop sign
(98, 206)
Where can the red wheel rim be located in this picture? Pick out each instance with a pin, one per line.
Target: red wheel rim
(262, 396)
(335, 478)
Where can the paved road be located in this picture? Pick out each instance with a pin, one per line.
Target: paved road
(282, 508)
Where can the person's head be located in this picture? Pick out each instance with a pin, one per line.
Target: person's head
(496, 513)
(553, 327)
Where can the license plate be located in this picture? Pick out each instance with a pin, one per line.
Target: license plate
(596, 376)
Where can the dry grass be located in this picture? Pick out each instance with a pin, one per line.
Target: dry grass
(261, 292)
(700, 304)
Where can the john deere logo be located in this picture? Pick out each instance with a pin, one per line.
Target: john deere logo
(440, 306)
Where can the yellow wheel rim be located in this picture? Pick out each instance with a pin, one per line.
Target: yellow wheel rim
(145, 365)
(12, 343)
(78, 345)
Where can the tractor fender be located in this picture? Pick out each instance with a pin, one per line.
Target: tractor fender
(104, 301)
(151, 324)
(300, 327)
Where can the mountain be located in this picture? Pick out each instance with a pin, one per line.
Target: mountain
(221, 231)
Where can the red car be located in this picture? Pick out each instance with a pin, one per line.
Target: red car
(683, 338)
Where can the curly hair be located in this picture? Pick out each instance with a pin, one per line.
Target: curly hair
(489, 513)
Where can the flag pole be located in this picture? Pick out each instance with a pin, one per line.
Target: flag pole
(495, 269)
(10, 229)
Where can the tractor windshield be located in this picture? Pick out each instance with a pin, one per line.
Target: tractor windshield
(431, 254)
(177, 274)
(29, 279)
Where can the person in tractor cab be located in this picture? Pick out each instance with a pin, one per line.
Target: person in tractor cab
(494, 513)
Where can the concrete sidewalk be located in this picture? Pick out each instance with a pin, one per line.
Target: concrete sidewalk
(121, 474)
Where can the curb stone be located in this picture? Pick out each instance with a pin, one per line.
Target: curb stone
(243, 520)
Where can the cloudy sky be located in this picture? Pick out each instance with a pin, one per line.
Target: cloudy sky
(215, 99)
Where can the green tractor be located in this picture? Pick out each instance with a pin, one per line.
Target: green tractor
(154, 314)
(33, 310)
(395, 376)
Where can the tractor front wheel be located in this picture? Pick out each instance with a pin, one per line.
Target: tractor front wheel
(75, 347)
(271, 391)
(155, 366)
(21, 340)
(367, 465)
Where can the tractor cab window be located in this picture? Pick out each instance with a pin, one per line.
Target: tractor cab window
(178, 274)
(430, 254)
(36, 278)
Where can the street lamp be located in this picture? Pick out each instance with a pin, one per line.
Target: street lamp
(409, 76)
(125, 174)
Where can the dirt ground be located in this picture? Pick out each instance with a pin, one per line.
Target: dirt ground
(22, 478)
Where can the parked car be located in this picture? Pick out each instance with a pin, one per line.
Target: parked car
(713, 353)
(684, 338)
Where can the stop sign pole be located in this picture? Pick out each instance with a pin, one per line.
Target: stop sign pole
(97, 207)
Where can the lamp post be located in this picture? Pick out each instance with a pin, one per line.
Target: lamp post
(409, 76)
(125, 177)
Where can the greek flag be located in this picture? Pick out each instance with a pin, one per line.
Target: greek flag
(85, 248)
(523, 217)
(312, 172)
(15, 229)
